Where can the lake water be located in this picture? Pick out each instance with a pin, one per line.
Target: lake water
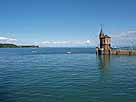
(52, 75)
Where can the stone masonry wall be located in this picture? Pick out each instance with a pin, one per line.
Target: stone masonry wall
(123, 52)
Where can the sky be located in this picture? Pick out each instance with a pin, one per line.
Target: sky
(67, 22)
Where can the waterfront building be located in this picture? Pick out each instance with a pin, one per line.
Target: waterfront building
(106, 49)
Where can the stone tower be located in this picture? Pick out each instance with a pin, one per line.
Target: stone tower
(101, 37)
(105, 43)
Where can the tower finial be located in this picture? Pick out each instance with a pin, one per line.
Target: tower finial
(101, 33)
(101, 27)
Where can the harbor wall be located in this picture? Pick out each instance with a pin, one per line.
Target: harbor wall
(123, 52)
(115, 52)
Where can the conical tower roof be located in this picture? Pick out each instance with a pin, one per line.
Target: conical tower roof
(101, 35)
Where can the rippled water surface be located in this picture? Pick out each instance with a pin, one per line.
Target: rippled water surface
(52, 75)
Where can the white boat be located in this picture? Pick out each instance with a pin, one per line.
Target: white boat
(68, 52)
(34, 51)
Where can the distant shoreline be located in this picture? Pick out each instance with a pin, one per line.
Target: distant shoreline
(17, 46)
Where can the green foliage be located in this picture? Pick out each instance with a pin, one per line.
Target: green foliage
(15, 46)
(8, 46)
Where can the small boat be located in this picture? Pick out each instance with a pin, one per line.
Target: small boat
(68, 52)
(34, 51)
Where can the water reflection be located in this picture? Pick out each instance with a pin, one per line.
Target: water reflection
(104, 66)
(104, 61)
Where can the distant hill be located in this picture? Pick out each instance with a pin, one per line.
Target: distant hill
(16, 46)
(8, 46)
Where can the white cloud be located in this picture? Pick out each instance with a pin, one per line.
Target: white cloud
(124, 39)
(66, 43)
(7, 40)
(55, 42)
(88, 41)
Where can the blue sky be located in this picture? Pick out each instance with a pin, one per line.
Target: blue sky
(64, 22)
